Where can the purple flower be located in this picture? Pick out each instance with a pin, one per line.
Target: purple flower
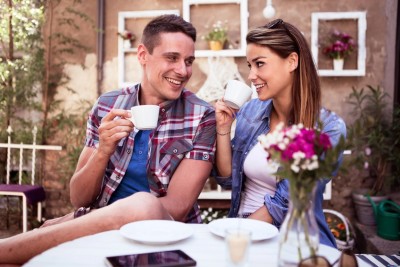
(342, 44)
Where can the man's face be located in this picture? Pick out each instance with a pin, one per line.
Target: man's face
(167, 70)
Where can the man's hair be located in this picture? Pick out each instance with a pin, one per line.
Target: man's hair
(165, 24)
(283, 38)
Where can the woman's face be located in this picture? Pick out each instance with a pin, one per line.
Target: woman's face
(271, 75)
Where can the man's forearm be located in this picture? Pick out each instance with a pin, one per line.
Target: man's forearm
(86, 183)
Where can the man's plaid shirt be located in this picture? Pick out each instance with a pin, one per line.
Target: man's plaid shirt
(186, 129)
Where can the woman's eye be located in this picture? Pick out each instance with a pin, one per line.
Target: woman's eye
(259, 64)
(249, 65)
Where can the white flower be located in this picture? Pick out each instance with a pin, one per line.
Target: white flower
(295, 167)
(368, 151)
(313, 165)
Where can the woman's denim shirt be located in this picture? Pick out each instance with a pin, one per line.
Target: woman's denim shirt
(252, 121)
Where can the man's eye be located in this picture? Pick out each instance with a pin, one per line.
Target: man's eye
(172, 58)
(189, 62)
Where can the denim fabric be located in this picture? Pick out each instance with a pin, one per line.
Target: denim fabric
(252, 121)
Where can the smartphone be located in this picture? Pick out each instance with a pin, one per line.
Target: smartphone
(152, 259)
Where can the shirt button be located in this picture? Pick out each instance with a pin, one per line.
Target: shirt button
(128, 151)
(163, 110)
(140, 152)
(175, 150)
(205, 156)
(118, 177)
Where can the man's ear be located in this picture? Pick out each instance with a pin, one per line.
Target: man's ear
(293, 59)
(142, 54)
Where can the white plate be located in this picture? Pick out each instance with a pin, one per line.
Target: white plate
(156, 232)
(259, 230)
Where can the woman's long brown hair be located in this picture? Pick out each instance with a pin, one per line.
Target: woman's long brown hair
(283, 38)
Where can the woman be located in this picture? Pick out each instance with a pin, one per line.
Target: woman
(285, 78)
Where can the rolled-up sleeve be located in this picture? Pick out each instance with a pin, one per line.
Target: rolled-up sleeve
(278, 204)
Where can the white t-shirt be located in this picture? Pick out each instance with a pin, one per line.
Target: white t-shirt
(260, 179)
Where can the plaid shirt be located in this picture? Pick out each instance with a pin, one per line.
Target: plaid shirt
(186, 129)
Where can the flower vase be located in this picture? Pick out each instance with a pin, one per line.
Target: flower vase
(299, 234)
(215, 45)
(127, 44)
(338, 63)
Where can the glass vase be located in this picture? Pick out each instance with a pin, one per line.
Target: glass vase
(299, 234)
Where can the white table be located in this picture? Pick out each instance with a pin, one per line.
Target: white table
(206, 248)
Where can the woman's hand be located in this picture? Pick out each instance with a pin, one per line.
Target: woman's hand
(224, 116)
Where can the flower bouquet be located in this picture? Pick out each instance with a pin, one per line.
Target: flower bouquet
(128, 37)
(341, 45)
(305, 156)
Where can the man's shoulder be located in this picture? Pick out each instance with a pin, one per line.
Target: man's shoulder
(120, 98)
(126, 91)
(192, 99)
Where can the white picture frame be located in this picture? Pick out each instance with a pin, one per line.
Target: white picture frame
(360, 16)
(244, 14)
(122, 51)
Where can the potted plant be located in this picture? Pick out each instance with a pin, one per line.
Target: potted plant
(340, 46)
(217, 36)
(128, 37)
(374, 139)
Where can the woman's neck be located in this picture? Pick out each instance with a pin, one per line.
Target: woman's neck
(280, 114)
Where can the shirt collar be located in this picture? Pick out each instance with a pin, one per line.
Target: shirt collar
(165, 106)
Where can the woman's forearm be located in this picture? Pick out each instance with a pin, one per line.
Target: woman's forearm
(224, 154)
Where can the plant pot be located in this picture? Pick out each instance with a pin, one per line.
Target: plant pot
(364, 209)
(338, 64)
(215, 45)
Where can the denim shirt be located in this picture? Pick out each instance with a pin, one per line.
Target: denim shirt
(252, 121)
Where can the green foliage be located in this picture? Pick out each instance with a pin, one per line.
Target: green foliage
(30, 78)
(71, 129)
(374, 137)
(21, 67)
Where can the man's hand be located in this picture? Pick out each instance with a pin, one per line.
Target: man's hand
(114, 126)
(68, 217)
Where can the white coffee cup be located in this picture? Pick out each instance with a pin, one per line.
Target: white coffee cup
(237, 93)
(145, 117)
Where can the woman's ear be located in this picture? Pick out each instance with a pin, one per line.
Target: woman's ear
(293, 61)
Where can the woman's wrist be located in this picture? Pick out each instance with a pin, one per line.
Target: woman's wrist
(223, 132)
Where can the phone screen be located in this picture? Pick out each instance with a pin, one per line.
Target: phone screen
(152, 259)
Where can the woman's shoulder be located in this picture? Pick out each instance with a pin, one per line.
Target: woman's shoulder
(256, 106)
(332, 121)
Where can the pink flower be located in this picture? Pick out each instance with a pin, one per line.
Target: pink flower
(341, 45)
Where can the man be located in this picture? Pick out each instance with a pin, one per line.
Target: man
(112, 176)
